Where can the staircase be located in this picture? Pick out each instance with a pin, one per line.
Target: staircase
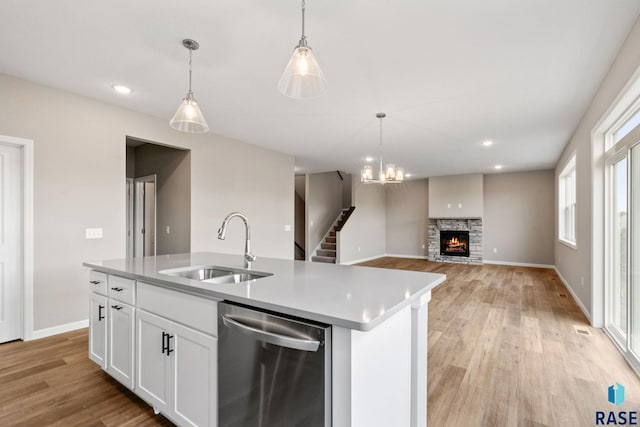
(327, 251)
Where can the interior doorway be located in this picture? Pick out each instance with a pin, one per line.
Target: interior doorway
(143, 211)
(158, 188)
(11, 241)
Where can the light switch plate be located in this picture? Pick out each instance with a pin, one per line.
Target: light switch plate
(93, 233)
(287, 227)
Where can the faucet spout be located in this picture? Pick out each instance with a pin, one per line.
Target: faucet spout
(222, 232)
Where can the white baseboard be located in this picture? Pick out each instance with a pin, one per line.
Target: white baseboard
(356, 261)
(574, 296)
(55, 330)
(407, 256)
(519, 264)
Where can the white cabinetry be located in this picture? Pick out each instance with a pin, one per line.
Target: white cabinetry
(121, 321)
(176, 364)
(112, 325)
(98, 329)
(158, 342)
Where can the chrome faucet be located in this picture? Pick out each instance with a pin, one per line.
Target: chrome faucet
(222, 231)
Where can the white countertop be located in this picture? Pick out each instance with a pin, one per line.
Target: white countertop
(349, 296)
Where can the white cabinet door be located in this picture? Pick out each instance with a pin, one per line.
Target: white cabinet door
(176, 369)
(153, 364)
(194, 377)
(121, 342)
(98, 329)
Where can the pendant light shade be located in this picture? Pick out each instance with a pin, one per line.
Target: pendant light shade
(189, 118)
(389, 175)
(303, 78)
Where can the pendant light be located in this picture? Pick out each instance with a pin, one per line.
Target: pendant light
(302, 78)
(389, 175)
(189, 118)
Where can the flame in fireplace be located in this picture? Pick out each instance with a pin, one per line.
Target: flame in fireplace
(455, 245)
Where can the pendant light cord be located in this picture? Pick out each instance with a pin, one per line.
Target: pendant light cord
(381, 170)
(190, 94)
(303, 8)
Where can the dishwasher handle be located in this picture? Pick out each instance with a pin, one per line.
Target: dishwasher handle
(272, 338)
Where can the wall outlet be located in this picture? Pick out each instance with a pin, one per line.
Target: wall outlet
(358, 248)
(93, 233)
(287, 227)
(495, 250)
(167, 229)
(449, 205)
(423, 246)
(459, 205)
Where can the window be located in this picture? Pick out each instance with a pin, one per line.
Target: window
(567, 203)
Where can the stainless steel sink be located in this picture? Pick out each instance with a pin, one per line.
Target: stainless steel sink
(216, 274)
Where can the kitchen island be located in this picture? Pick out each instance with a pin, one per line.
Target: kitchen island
(378, 322)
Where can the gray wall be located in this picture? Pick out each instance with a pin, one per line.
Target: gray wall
(347, 190)
(173, 194)
(406, 218)
(363, 236)
(575, 264)
(518, 217)
(79, 170)
(324, 204)
(456, 196)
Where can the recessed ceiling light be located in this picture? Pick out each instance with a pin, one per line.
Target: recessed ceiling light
(498, 167)
(487, 143)
(122, 89)
(369, 159)
(408, 175)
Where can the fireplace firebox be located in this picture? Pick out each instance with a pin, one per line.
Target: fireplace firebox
(454, 243)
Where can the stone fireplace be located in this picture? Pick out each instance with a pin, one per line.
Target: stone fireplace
(457, 240)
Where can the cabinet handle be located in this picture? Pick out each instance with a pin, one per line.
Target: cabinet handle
(117, 307)
(164, 341)
(169, 350)
(95, 282)
(100, 315)
(117, 289)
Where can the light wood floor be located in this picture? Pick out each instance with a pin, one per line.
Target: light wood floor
(51, 381)
(503, 351)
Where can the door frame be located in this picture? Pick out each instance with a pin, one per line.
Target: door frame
(26, 146)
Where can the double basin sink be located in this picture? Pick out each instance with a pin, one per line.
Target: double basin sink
(216, 274)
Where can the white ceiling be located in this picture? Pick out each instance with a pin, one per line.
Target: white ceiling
(448, 73)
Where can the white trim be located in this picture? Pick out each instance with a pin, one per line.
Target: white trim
(626, 98)
(576, 299)
(567, 243)
(519, 264)
(356, 261)
(27, 231)
(407, 256)
(60, 329)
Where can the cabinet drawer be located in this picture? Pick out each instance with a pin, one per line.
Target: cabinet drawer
(98, 282)
(196, 312)
(122, 289)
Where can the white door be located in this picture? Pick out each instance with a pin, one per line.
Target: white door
(10, 243)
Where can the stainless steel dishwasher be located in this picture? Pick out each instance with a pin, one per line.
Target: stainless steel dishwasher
(273, 371)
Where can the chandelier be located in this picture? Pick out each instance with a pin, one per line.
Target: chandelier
(389, 175)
